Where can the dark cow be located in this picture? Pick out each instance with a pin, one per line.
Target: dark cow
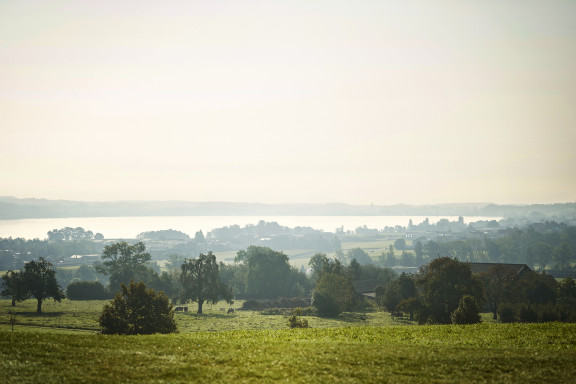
(230, 310)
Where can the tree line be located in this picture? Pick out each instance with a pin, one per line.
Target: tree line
(444, 290)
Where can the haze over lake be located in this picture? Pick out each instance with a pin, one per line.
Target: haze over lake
(130, 227)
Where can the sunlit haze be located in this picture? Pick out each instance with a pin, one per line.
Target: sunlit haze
(359, 102)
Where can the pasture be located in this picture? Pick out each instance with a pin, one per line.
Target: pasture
(63, 346)
(82, 316)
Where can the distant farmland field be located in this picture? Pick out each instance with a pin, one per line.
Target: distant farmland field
(62, 346)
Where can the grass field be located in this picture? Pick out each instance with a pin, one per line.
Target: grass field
(429, 354)
(63, 346)
(82, 316)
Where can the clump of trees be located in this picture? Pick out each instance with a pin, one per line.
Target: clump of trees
(15, 252)
(137, 310)
(73, 234)
(36, 280)
(262, 273)
(444, 292)
(535, 297)
(163, 235)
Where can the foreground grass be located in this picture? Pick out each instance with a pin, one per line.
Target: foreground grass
(525, 353)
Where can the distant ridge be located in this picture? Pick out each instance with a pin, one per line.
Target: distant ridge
(15, 208)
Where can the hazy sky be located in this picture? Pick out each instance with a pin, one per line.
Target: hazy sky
(404, 101)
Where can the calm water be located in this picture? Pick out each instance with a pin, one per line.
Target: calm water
(129, 227)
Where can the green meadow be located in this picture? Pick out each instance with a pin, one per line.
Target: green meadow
(63, 346)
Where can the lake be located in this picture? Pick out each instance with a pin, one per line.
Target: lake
(130, 227)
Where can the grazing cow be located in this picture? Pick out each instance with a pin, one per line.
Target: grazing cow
(178, 309)
(230, 310)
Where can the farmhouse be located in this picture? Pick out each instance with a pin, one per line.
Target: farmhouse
(517, 269)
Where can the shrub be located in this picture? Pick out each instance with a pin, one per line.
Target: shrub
(137, 310)
(467, 312)
(309, 311)
(326, 305)
(295, 321)
(506, 313)
(306, 311)
(548, 313)
(255, 305)
(87, 290)
(273, 311)
(527, 314)
(252, 305)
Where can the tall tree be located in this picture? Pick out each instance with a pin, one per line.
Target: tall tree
(13, 285)
(359, 255)
(201, 281)
(498, 287)
(40, 282)
(334, 293)
(268, 274)
(124, 262)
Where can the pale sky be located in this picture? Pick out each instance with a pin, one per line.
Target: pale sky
(301, 101)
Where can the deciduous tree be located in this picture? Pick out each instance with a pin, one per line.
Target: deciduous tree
(201, 281)
(268, 272)
(124, 262)
(334, 293)
(40, 282)
(13, 286)
(498, 285)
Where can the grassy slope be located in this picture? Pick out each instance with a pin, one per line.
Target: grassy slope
(437, 354)
(62, 345)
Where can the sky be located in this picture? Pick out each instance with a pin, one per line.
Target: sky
(360, 102)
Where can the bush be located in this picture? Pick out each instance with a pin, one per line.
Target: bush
(138, 311)
(506, 313)
(467, 312)
(527, 314)
(273, 311)
(87, 290)
(295, 321)
(326, 305)
(548, 313)
(256, 305)
(307, 311)
(252, 305)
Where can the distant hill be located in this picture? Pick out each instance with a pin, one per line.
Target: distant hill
(15, 208)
